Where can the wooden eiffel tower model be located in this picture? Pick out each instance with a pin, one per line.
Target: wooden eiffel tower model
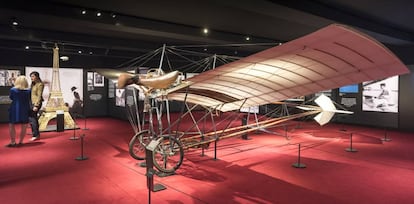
(55, 101)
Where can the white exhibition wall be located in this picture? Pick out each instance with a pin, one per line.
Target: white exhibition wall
(68, 78)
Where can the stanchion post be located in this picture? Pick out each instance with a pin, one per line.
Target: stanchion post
(149, 151)
(298, 164)
(350, 148)
(82, 156)
(84, 123)
(386, 139)
(74, 137)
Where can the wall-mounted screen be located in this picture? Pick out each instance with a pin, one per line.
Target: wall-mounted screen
(381, 95)
(353, 88)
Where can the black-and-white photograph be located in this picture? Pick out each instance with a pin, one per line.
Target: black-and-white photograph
(2, 77)
(381, 95)
(120, 97)
(98, 80)
(89, 79)
(11, 76)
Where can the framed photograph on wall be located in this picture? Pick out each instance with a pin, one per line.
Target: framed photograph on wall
(111, 89)
(11, 76)
(89, 79)
(380, 95)
(120, 97)
(2, 77)
(98, 80)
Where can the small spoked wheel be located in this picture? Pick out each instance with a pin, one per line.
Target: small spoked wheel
(168, 154)
(138, 143)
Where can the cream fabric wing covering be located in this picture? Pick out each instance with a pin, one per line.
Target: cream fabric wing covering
(329, 58)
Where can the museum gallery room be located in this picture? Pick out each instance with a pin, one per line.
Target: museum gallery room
(251, 101)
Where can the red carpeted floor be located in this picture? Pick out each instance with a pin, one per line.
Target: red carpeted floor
(258, 170)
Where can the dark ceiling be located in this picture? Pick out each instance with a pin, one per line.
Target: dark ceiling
(127, 29)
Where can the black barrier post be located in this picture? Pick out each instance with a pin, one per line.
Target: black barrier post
(74, 137)
(386, 139)
(244, 123)
(60, 121)
(82, 157)
(298, 164)
(84, 123)
(351, 149)
(149, 151)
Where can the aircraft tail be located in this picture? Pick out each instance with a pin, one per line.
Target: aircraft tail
(328, 110)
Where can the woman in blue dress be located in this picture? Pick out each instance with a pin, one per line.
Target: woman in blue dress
(19, 109)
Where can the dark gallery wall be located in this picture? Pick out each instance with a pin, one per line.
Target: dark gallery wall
(399, 120)
(4, 91)
(406, 101)
(95, 99)
(97, 103)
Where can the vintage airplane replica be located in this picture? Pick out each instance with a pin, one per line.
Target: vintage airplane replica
(329, 58)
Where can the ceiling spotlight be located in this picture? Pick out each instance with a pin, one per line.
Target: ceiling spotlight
(247, 38)
(14, 22)
(90, 52)
(80, 51)
(113, 15)
(205, 30)
(98, 14)
(64, 58)
(83, 12)
(27, 47)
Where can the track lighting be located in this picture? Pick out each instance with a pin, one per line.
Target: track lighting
(205, 31)
(64, 58)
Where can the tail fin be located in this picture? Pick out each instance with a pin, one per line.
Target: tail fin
(328, 110)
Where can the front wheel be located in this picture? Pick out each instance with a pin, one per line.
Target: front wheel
(168, 154)
(138, 143)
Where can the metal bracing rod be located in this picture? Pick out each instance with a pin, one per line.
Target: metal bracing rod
(256, 119)
(210, 111)
(131, 119)
(161, 60)
(179, 119)
(168, 114)
(214, 124)
(263, 124)
(282, 119)
(158, 111)
(194, 121)
(182, 111)
(138, 122)
(151, 123)
(274, 121)
(228, 124)
(214, 61)
(146, 57)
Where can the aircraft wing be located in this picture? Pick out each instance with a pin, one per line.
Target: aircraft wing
(329, 58)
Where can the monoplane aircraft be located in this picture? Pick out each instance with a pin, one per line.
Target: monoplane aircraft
(329, 58)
